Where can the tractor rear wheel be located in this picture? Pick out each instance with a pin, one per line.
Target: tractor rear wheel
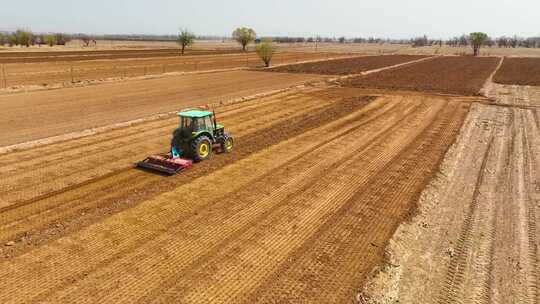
(201, 148)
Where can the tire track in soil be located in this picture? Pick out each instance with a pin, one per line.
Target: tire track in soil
(456, 269)
(99, 251)
(533, 199)
(108, 191)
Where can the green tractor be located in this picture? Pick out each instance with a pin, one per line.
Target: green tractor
(197, 137)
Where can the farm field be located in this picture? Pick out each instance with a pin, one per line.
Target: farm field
(40, 114)
(450, 75)
(271, 233)
(59, 71)
(475, 239)
(519, 71)
(346, 66)
(336, 191)
(52, 56)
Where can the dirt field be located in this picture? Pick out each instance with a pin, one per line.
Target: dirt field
(520, 71)
(40, 114)
(57, 72)
(475, 239)
(95, 229)
(346, 66)
(452, 75)
(53, 56)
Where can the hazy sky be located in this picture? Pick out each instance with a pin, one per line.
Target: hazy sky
(382, 18)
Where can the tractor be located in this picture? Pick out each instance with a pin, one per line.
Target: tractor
(197, 137)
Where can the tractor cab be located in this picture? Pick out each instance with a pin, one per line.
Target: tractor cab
(196, 121)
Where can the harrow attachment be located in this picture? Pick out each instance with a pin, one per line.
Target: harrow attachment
(165, 164)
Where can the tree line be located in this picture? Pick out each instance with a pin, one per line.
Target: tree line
(27, 38)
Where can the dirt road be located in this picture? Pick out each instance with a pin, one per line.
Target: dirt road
(299, 212)
(476, 238)
(40, 114)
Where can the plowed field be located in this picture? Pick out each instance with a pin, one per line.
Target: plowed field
(48, 56)
(55, 72)
(452, 75)
(346, 66)
(300, 212)
(520, 71)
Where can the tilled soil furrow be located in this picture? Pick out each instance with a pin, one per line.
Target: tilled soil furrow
(191, 270)
(111, 230)
(220, 222)
(122, 153)
(373, 212)
(238, 259)
(155, 184)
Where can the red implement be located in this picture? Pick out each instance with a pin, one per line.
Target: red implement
(165, 164)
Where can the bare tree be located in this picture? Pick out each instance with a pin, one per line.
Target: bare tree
(185, 39)
(477, 40)
(244, 36)
(86, 40)
(266, 50)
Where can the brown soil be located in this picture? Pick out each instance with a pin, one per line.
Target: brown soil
(40, 114)
(59, 71)
(346, 66)
(35, 57)
(520, 71)
(475, 239)
(450, 75)
(296, 214)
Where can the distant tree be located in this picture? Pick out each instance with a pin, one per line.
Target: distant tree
(62, 39)
(310, 40)
(50, 40)
(244, 36)
(86, 40)
(266, 50)
(185, 39)
(463, 41)
(514, 41)
(23, 38)
(342, 39)
(3, 39)
(477, 39)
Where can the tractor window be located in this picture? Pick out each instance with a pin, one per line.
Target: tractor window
(185, 123)
(209, 123)
(199, 124)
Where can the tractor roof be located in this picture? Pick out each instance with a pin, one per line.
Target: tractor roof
(194, 114)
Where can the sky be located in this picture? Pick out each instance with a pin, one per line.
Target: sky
(307, 18)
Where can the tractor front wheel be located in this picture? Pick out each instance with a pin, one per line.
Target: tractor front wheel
(227, 144)
(201, 148)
